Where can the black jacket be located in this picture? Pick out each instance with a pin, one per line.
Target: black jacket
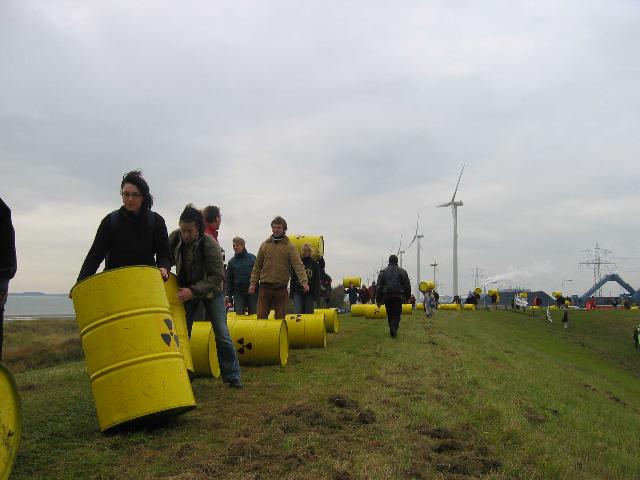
(127, 241)
(239, 273)
(8, 263)
(393, 282)
(313, 275)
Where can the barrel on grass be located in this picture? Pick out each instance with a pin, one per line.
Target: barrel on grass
(316, 242)
(306, 330)
(469, 306)
(331, 319)
(10, 422)
(407, 309)
(449, 306)
(179, 319)
(373, 311)
(131, 346)
(420, 306)
(203, 350)
(260, 342)
(358, 309)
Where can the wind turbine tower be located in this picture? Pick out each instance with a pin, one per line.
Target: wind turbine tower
(454, 210)
(417, 237)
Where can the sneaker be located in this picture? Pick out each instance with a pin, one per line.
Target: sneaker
(393, 334)
(235, 384)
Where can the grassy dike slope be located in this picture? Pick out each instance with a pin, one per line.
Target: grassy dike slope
(463, 395)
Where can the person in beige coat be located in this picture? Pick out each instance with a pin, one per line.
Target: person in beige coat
(276, 258)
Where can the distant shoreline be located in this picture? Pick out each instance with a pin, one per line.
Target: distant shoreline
(31, 318)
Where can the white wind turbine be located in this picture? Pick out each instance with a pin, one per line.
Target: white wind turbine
(417, 237)
(454, 209)
(400, 251)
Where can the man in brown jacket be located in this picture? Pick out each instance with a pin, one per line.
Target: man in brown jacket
(276, 258)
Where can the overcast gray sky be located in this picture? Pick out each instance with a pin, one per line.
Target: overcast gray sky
(347, 118)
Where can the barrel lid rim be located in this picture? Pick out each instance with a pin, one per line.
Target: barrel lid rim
(109, 271)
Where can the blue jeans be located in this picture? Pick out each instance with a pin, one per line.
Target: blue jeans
(227, 357)
(303, 303)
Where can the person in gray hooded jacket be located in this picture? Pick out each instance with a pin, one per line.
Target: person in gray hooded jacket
(200, 271)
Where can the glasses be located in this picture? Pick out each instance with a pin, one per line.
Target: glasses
(131, 195)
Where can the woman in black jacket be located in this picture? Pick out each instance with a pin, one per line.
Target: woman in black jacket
(132, 235)
(306, 302)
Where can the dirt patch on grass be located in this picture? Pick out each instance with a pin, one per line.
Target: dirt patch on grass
(616, 399)
(341, 401)
(456, 452)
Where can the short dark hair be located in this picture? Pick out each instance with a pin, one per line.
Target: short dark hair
(191, 214)
(393, 259)
(210, 213)
(280, 221)
(134, 177)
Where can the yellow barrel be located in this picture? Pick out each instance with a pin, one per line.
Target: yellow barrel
(231, 314)
(354, 281)
(477, 291)
(635, 307)
(306, 330)
(419, 306)
(316, 242)
(492, 292)
(10, 422)
(535, 307)
(358, 309)
(426, 285)
(449, 306)
(203, 350)
(131, 346)
(260, 342)
(523, 294)
(469, 306)
(331, 319)
(373, 311)
(179, 318)
(556, 294)
(407, 309)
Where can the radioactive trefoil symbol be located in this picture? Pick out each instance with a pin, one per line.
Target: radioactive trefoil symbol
(167, 337)
(243, 345)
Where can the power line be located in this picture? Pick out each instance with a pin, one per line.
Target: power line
(596, 262)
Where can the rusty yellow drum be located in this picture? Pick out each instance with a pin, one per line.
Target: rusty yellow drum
(306, 330)
(316, 242)
(331, 319)
(259, 342)
(203, 350)
(179, 318)
(10, 422)
(131, 346)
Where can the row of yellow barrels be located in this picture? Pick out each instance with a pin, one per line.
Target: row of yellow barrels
(371, 310)
(137, 351)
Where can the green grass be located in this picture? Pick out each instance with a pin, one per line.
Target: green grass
(463, 395)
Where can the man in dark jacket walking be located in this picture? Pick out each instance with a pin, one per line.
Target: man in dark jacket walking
(8, 262)
(393, 290)
(238, 276)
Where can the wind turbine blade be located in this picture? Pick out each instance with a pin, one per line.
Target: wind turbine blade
(457, 184)
(444, 205)
(415, 235)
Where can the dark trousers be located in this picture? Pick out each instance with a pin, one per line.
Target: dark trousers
(243, 302)
(394, 310)
(272, 299)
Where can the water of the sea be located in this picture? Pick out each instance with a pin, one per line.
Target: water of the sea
(27, 307)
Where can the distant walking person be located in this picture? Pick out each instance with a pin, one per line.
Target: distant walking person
(8, 263)
(272, 271)
(132, 235)
(636, 337)
(393, 290)
(238, 277)
(353, 293)
(305, 302)
(428, 303)
(198, 261)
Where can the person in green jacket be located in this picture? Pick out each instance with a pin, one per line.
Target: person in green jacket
(200, 271)
(276, 257)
